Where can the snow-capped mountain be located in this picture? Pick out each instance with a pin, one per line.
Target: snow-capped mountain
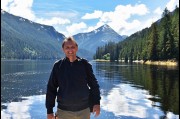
(98, 37)
(22, 39)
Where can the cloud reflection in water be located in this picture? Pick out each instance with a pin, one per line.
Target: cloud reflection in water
(23, 109)
(125, 100)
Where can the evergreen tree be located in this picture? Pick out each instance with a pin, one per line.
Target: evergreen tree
(153, 41)
(168, 40)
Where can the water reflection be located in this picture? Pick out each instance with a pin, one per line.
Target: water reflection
(123, 101)
(127, 101)
(23, 78)
(128, 91)
(31, 107)
(161, 82)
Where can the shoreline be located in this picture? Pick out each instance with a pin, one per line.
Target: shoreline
(148, 62)
(165, 63)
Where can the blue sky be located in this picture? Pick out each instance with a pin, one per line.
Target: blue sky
(78, 16)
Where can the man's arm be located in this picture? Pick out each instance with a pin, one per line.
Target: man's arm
(93, 84)
(94, 88)
(51, 91)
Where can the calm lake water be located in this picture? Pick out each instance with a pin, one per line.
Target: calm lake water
(128, 91)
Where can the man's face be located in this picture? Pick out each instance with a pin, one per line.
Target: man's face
(70, 49)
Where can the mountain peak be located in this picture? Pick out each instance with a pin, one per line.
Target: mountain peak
(104, 27)
(98, 37)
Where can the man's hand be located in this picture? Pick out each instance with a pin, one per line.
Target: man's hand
(50, 116)
(96, 110)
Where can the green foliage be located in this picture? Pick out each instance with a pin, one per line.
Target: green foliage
(23, 39)
(106, 56)
(159, 42)
(153, 40)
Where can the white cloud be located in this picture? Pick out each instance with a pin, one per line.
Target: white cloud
(53, 21)
(91, 28)
(158, 11)
(62, 14)
(108, 17)
(121, 18)
(23, 8)
(171, 4)
(128, 10)
(96, 14)
(130, 27)
(75, 28)
(125, 19)
(19, 8)
(4, 4)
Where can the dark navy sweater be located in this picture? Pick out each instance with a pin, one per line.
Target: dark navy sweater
(70, 82)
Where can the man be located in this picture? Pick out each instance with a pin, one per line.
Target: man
(72, 82)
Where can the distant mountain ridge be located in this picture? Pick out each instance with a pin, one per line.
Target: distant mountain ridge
(24, 39)
(25, 24)
(159, 42)
(97, 37)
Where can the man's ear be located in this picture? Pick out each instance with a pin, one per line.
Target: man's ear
(62, 49)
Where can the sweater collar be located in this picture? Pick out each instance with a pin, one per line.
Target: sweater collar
(78, 59)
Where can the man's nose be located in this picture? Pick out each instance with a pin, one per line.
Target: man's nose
(70, 49)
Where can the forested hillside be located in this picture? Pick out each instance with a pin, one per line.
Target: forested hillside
(158, 42)
(24, 39)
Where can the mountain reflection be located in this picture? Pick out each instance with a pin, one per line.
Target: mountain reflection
(128, 91)
(123, 101)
